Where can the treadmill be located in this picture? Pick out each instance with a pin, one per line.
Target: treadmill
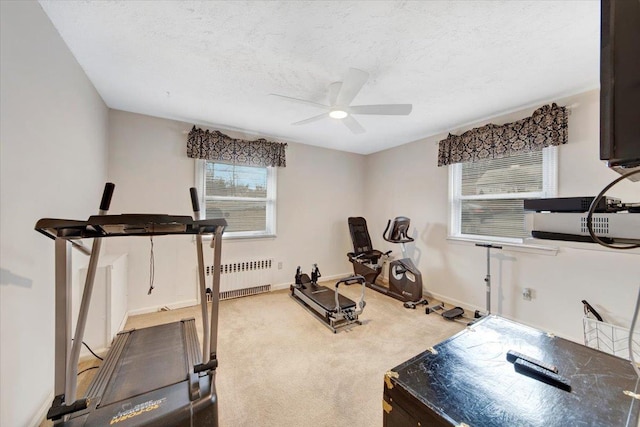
(156, 376)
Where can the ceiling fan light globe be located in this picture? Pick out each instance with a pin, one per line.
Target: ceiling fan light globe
(338, 114)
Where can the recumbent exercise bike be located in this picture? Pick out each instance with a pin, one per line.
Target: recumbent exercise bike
(405, 280)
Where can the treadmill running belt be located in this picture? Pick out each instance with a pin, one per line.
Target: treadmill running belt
(153, 358)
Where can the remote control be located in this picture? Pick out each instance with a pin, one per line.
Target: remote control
(541, 374)
(513, 355)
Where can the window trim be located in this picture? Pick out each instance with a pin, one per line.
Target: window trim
(549, 189)
(271, 202)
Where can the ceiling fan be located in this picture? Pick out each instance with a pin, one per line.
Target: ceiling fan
(341, 94)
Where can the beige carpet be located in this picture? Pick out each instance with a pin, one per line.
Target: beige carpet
(280, 366)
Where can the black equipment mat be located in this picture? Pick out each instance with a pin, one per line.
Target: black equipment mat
(468, 379)
(326, 297)
(153, 358)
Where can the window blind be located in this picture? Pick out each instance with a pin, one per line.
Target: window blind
(238, 194)
(489, 195)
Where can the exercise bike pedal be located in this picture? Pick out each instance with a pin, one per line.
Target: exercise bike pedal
(453, 313)
(413, 305)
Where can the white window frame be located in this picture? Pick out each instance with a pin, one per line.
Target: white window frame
(270, 200)
(549, 189)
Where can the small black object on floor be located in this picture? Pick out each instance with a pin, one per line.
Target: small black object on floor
(453, 313)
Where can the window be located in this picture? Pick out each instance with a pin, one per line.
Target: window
(487, 197)
(243, 195)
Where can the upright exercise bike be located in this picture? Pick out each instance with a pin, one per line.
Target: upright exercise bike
(405, 280)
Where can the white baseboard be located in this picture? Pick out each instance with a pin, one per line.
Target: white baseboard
(124, 322)
(172, 306)
(41, 413)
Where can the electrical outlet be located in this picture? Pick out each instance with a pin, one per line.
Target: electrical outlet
(526, 294)
(280, 265)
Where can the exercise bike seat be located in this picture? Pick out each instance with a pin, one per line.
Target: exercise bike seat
(362, 247)
(326, 297)
(371, 256)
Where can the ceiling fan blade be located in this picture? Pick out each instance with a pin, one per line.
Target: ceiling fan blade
(351, 86)
(334, 90)
(382, 109)
(353, 125)
(311, 119)
(300, 101)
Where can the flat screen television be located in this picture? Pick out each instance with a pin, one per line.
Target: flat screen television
(620, 84)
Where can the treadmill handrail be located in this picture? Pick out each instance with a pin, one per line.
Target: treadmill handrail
(71, 380)
(98, 226)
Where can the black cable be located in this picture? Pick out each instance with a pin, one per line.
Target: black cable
(592, 209)
(88, 369)
(88, 348)
(151, 265)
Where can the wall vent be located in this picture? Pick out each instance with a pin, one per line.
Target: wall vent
(238, 293)
(600, 225)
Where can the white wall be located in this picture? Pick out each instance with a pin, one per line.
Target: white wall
(53, 164)
(316, 193)
(406, 181)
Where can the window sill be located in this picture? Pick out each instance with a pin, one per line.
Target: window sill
(533, 247)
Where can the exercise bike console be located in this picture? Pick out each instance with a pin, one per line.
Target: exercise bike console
(398, 233)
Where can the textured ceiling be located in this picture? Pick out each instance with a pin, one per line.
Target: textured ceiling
(213, 63)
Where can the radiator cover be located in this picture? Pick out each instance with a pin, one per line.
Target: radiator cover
(243, 278)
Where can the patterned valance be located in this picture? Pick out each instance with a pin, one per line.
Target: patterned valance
(214, 145)
(547, 126)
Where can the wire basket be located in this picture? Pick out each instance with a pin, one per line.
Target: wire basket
(610, 338)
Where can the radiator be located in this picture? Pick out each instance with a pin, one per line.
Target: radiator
(243, 278)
